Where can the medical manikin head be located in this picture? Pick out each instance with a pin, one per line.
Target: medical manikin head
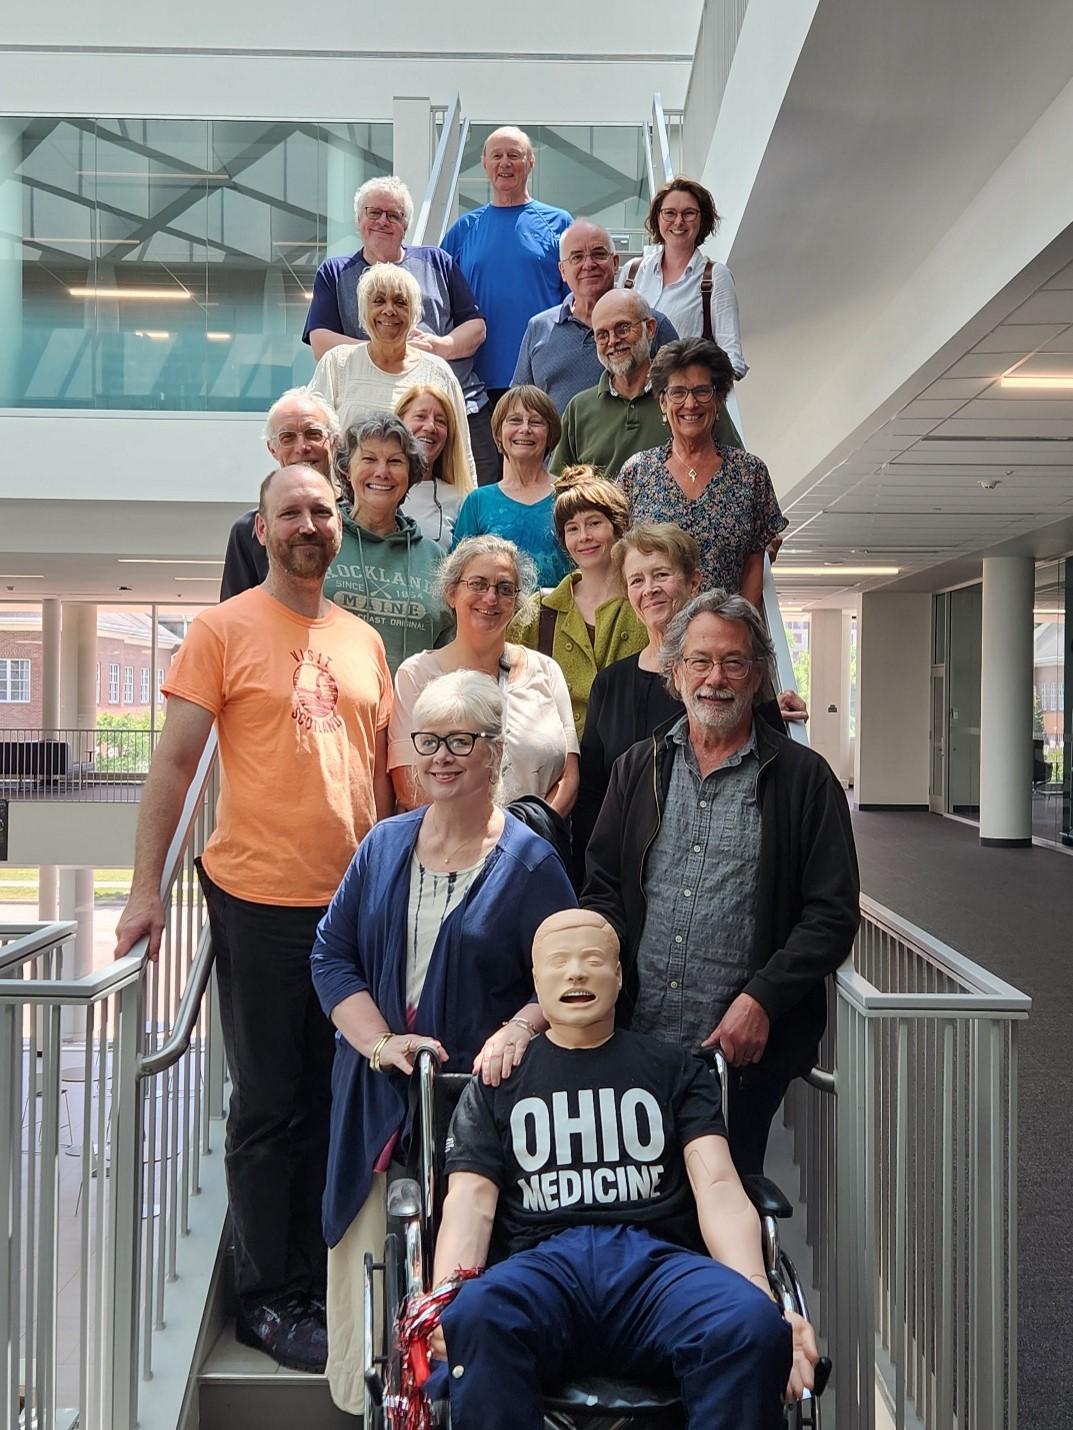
(577, 976)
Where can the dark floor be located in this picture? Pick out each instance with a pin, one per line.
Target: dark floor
(1010, 910)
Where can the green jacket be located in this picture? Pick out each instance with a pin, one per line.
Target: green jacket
(618, 633)
(390, 581)
(603, 430)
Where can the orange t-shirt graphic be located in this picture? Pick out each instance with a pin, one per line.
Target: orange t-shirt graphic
(298, 704)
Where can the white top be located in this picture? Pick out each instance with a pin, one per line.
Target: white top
(347, 376)
(434, 505)
(680, 300)
(432, 897)
(539, 721)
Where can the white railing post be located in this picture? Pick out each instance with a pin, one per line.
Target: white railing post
(125, 1226)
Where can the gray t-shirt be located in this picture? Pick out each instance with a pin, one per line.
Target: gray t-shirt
(696, 949)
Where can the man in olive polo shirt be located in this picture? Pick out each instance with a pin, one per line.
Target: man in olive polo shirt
(620, 416)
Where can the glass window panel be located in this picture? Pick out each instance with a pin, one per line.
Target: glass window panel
(219, 227)
(1051, 775)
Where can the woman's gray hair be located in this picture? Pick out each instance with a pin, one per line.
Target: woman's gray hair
(727, 607)
(384, 277)
(453, 568)
(389, 184)
(380, 427)
(468, 700)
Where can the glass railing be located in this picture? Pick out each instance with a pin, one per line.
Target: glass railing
(168, 263)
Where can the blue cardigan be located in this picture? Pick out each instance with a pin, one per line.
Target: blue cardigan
(480, 973)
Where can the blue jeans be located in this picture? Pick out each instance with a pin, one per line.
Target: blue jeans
(614, 1300)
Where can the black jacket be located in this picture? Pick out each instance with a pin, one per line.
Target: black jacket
(245, 560)
(808, 888)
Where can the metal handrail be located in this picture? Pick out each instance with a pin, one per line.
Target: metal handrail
(662, 138)
(449, 134)
(32, 939)
(456, 175)
(149, 1064)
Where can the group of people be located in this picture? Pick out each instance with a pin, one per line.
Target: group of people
(456, 700)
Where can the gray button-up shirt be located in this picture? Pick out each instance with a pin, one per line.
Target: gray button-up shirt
(696, 949)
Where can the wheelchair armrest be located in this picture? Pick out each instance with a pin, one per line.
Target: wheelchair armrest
(766, 1197)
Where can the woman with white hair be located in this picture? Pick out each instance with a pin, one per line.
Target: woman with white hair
(359, 379)
(426, 944)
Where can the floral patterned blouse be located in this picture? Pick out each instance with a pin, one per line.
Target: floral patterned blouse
(735, 515)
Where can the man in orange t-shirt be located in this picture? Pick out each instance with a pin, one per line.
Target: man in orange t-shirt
(300, 694)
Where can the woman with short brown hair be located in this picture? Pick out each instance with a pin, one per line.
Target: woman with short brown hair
(675, 276)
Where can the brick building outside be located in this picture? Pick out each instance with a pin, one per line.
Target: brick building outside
(125, 680)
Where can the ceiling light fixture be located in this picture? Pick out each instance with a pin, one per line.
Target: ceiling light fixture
(167, 561)
(781, 570)
(158, 335)
(1016, 379)
(219, 337)
(165, 295)
(18, 576)
(213, 579)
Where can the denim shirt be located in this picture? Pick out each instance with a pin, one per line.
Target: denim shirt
(695, 952)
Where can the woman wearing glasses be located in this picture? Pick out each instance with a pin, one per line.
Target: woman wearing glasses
(720, 495)
(359, 379)
(525, 426)
(487, 582)
(695, 292)
(426, 944)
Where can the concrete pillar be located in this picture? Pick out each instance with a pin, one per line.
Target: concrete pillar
(828, 723)
(893, 701)
(48, 893)
(78, 666)
(50, 665)
(1006, 701)
(413, 148)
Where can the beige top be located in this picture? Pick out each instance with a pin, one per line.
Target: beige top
(349, 379)
(539, 721)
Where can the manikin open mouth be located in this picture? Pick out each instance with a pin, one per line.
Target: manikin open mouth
(577, 995)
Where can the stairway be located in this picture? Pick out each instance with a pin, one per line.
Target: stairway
(241, 1389)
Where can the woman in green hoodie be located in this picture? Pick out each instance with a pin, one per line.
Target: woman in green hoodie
(386, 570)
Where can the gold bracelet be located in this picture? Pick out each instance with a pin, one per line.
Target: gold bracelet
(522, 1023)
(378, 1048)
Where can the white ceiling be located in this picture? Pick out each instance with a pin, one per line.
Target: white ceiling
(911, 494)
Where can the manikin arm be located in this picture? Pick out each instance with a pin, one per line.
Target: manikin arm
(469, 1210)
(728, 1221)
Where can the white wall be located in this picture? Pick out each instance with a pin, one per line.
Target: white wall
(66, 832)
(893, 700)
(828, 690)
(553, 63)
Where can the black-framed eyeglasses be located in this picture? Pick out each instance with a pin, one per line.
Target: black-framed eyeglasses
(480, 586)
(458, 742)
(703, 392)
(392, 215)
(734, 667)
(620, 330)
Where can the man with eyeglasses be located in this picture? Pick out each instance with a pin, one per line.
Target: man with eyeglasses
(620, 416)
(300, 429)
(723, 857)
(558, 353)
(451, 323)
(508, 250)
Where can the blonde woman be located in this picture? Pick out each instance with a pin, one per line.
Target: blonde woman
(435, 501)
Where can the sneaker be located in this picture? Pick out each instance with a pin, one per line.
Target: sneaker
(317, 1301)
(286, 1330)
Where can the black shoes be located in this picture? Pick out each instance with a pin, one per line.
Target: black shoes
(290, 1329)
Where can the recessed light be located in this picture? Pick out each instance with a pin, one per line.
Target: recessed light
(167, 561)
(18, 576)
(832, 570)
(990, 483)
(166, 295)
(213, 579)
(1022, 380)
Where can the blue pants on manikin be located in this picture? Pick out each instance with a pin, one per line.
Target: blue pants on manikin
(613, 1300)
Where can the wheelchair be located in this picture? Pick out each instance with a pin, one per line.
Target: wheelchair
(595, 1402)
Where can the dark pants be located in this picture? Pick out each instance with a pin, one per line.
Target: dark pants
(485, 453)
(756, 1094)
(279, 1050)
(607, 1300)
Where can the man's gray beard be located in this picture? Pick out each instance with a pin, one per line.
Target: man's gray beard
(727, 713)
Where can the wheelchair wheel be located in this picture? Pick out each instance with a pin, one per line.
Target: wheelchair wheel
(376, 1415)
(804, 1414)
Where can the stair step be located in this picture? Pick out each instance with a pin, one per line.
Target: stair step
(243, 1389)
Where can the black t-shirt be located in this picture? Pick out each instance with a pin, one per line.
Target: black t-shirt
(577, 1137)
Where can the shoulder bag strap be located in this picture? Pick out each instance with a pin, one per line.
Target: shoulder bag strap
(631, 272)
(546, 633)
(706, 301)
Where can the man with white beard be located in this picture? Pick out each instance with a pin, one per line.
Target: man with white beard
(723, 857)
(620, 416)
